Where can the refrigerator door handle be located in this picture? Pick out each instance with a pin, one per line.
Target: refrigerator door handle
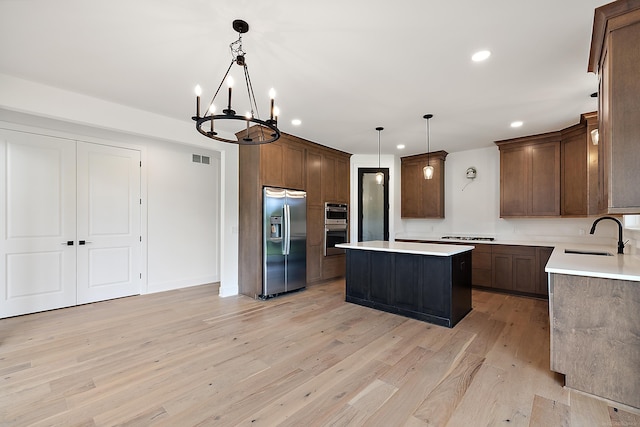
(287, 230)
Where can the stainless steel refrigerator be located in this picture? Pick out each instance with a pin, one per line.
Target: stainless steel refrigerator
(284, 241)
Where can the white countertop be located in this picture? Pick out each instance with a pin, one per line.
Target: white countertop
(408, 247)
(621, 267)
(523, 242)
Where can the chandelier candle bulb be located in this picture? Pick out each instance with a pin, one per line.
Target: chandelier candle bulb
(230, 84)
(272, 95)
(198, 93)
(212, 110)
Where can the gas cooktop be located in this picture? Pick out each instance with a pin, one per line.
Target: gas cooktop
(485, 239)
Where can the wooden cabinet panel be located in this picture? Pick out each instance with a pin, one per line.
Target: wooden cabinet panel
(314, 262)
(272, 159)
(314, 178)
(574, 174)
(358, 274)
(513, 182)
(502, 271)
(419, 197)
(436, 299)
(524, 273)
(333, 266)
(282, 165)
(328, 179)
(616, 58)
(544, 179)
(343, 183)
(481, 260)
(604, 156)
(621, 141)
(515, 268)
(315, 225)
(293, 162)
(408, 281)
(594, 338)
(381, 268)
(481, 277)
(410, 190)
(530, 176)
(481, 265)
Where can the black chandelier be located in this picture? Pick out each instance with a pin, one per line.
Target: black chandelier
(267, 129)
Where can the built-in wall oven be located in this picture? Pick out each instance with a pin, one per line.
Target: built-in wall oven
(335, 227)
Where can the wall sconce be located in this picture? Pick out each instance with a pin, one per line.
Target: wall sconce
(595, 136)
(471, 173)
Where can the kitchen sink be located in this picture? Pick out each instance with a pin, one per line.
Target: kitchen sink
(580, 252)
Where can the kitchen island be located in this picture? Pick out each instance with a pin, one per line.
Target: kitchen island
(594, 309)
(428, 282)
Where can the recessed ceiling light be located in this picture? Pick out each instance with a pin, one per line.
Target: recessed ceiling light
(516, 124)
(400, 146)
(481, 55)
(296, 122)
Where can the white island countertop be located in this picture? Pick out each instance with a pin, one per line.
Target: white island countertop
(621, 267)
(408, 247)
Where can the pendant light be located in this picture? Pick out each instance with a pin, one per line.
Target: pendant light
(428, 169)
(379, 174)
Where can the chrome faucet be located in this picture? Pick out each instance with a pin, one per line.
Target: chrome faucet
(620, 242)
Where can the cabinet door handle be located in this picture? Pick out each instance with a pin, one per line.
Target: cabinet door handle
(83, 242)
(67, 243)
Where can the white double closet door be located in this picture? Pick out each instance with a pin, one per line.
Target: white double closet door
(70, 222)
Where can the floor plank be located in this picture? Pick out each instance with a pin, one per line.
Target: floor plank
(188, 358)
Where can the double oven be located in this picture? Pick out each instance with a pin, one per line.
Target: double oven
(336, 228)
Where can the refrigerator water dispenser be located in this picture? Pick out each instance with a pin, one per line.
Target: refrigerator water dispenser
(276, 227)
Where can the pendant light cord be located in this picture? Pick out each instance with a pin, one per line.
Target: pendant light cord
(379, 149)
(428, 117)
(379, 129)
(428, 143)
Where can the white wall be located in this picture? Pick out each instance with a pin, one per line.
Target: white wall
(371, 161)
(86, 118)
(184, 220)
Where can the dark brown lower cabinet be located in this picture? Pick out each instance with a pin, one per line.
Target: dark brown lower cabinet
(520, 269)
(435, 289)
(481, 265)
(515, 269)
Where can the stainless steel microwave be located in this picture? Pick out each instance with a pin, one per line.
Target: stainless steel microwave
(336, 213)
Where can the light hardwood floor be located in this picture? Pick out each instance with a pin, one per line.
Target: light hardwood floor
(189, 357)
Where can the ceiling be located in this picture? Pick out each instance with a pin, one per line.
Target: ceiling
(341, 67)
